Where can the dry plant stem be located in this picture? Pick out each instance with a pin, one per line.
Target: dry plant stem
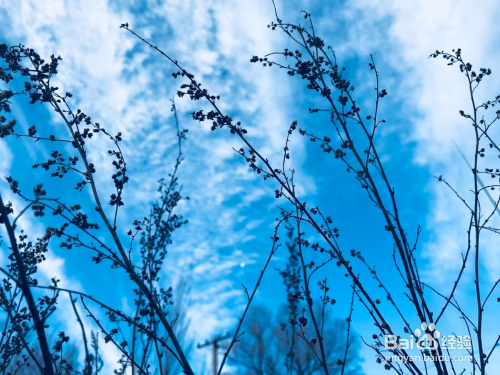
(250, 298)
(170, 186)
(20, 214)
(471, 352)
(23, 284)
(400, 241)
(84, 336)
(158, 353)
(145, 354)
(451, 362)
(127, 319)
(454, 191)
(375, 276)
(109, 336)
(9, 317)
(491, 291)
(375, 124)
(477, 232)
(22, 337)
(120, 314)
(41, 138)
(462, 269)
(455, 305)
(492, 349)
(377, 350)
(155, 234)
(400, 248)
(134, 333)
(410, 274)
(41, 201)
(291, 352)
(8, 308)
(348, 344)
(302, 208)
(308, 295)
(495, 205)
(497, 210)
(128, 265)
(400, 244)
(400, 352)
(303, 337)
(476, 213)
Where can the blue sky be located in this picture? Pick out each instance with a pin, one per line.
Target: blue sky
(126, 86)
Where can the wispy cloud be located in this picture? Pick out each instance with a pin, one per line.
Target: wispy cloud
(123, 85)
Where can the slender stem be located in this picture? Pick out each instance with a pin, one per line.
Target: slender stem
(348, 344)
(85, 344)
(21, 335)
(25, 287)
(128, 265)
(236, 333)
(109, 337)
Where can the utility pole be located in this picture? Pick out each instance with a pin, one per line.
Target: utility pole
(215, 346)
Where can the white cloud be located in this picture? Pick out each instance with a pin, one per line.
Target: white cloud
(432, 94)
(123, 85)
(5, 159)
(439, 93)
(125, 91)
